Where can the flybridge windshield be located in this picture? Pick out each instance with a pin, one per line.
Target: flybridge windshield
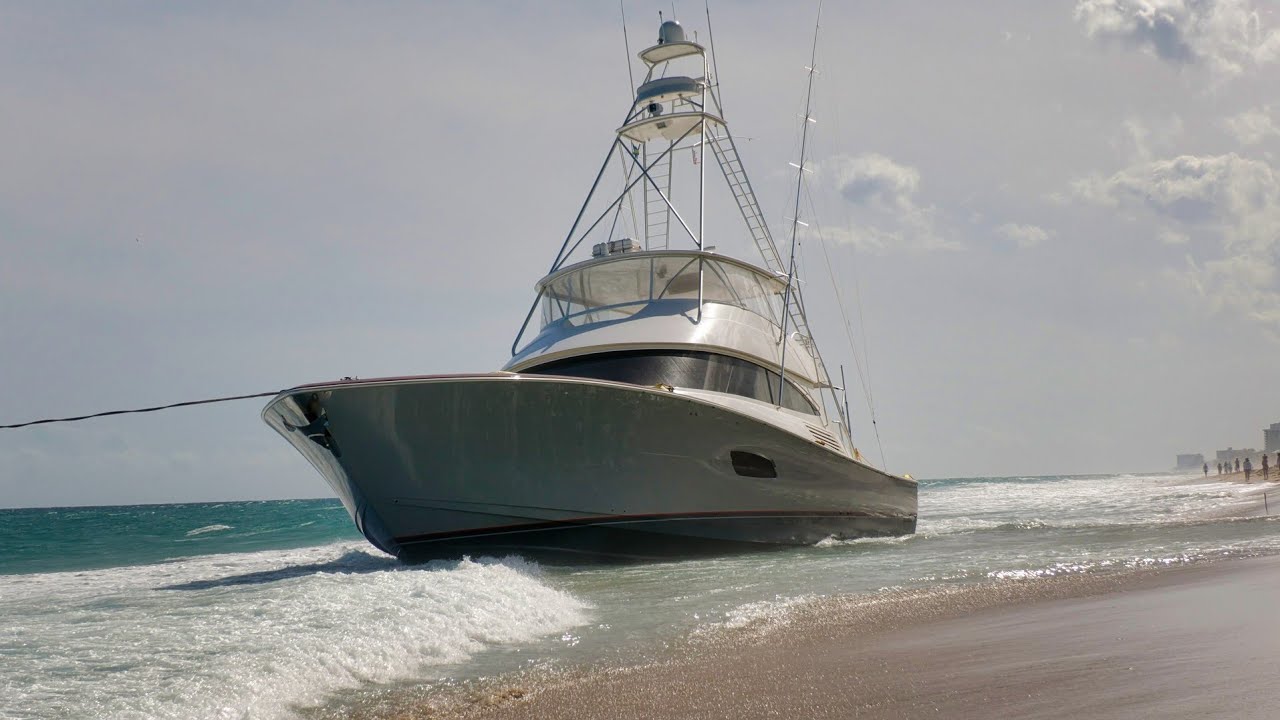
(616, 289)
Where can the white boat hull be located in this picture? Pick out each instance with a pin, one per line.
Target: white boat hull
(552, 466)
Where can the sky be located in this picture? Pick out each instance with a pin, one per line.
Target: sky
(1054, 225)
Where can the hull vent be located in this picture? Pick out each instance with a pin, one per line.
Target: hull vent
(749, 464)
(822, 437)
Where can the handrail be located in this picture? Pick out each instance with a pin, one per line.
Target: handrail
(621, 257)
(525, 324)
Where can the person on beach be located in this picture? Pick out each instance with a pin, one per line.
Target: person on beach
(1248, 468)
(1264, 467)
(1206, 469)
(1219, 468)
(1237, 464)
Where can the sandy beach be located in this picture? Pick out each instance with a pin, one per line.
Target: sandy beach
(1183, 642)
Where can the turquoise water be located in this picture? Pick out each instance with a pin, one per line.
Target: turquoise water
(83, 538)
(273, 610)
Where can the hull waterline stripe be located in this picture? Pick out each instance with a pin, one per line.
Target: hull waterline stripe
(602, 520)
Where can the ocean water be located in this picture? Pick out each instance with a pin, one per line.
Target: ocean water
(279, 610)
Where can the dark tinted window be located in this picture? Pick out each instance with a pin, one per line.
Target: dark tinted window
(682, 368)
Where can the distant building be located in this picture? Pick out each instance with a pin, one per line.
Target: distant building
(1190, 461)
(1230, 454)
(1271, 438)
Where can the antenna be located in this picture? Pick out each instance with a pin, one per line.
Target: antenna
(848, 419)
(795, 219)
(626, 44)
(715, 71)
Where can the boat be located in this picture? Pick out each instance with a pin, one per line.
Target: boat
(669, 400)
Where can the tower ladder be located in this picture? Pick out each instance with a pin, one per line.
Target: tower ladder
(731, 165)
(657, 213)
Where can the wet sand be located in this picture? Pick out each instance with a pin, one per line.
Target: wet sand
(1200, 641)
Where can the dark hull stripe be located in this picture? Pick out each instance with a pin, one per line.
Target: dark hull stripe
(606, 520)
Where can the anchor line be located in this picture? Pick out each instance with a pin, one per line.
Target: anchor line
(156, 408)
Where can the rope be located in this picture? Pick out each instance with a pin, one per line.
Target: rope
(188, 403)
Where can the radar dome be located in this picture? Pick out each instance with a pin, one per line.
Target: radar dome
(669, 32)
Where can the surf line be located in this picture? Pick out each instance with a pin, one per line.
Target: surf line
(156, 408)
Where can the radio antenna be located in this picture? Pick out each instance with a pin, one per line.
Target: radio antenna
(795, 215)
(626, 44)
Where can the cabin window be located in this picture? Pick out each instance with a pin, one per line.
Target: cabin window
(683, 368)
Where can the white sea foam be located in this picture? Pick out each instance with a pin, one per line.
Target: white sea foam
(1076, 568)
(831, 541)
(208, 529)
(249, 636)
(1070, 502)
(764, 614)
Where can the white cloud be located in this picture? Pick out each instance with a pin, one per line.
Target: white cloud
(1145, 138)
(1227, 35)
(1252, 126)
(882, 193)
(1173, 237)
(1232, 199)
(1026, 236)
(874, 178)
(1236, 283)
(1190, 188)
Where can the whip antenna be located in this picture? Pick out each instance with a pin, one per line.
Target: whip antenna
(795, 220)
(626, 44)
